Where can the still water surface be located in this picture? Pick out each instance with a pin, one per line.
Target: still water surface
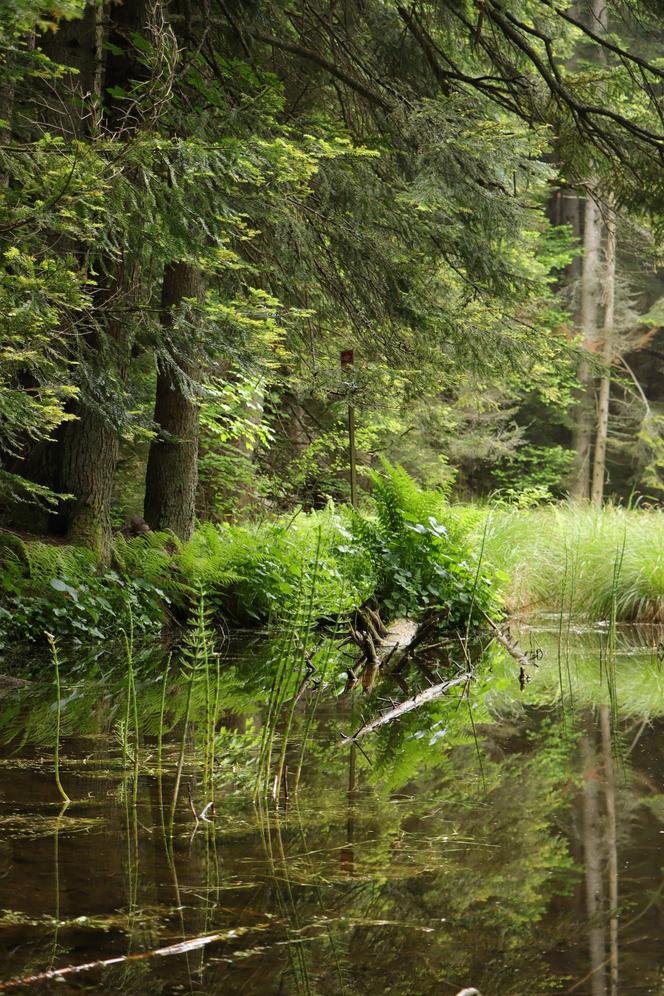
(482, 844)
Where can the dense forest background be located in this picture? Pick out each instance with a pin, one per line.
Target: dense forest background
(203, 205)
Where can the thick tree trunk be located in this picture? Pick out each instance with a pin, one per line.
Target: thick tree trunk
(599, 465)
(86, 453)
(88, 456)
(590, 298)
(83, 458)
(172, 471)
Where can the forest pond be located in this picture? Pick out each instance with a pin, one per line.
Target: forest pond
(511, 840)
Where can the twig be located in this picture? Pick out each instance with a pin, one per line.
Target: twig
(510, 646)
(208, 808)
(191, 804)
(311, 670)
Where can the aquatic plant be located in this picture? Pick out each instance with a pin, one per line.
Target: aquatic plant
(131, 706)
(58, 712)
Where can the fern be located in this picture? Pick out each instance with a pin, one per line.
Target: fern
(149, 556)
(47, 561)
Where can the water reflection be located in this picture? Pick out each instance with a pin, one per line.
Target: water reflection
(519, 854)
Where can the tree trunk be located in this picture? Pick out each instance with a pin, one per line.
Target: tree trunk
(88, 455)
(172, 471)
(592, 860)
(590, 302)
(590, 297)
(84, 456)
(599, 465)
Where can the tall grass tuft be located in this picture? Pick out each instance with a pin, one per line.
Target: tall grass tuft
(567, 554)
(131, 705)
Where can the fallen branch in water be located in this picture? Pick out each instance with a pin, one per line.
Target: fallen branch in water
(182, 947)
(428, 695)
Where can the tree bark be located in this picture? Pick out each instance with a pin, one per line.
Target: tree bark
(589, 311)
(82, 462)
(84, 456)
(88, 455)
(172, 470)
(599, 464)
(590, 297)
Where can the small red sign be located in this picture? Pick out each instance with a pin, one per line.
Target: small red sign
(347, 357)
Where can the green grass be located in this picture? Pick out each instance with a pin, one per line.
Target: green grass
(576, 559)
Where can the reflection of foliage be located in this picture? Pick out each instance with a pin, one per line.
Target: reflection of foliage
(438, 867)
(636, 689)
(450, 863)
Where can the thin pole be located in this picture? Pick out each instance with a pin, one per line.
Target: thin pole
(351, 455)
(347, 358)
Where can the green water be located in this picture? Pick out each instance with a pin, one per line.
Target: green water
(471, 844)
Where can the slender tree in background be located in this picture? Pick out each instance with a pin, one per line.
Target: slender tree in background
(607, 358)
(590, 300)
(586, 421)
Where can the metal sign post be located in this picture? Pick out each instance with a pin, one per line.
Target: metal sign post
(347, 360)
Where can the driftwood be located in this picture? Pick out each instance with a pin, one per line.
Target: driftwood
(428, 695)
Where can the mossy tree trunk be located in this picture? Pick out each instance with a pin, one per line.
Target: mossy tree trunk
(172, 470)
(89, 449)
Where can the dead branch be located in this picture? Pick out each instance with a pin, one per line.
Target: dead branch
(505, 641)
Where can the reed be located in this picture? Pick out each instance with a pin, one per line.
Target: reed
(539, 549)
(58, 717)
(131, 706)
(162, 710)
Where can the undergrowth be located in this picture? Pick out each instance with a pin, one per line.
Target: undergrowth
(406, 550)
